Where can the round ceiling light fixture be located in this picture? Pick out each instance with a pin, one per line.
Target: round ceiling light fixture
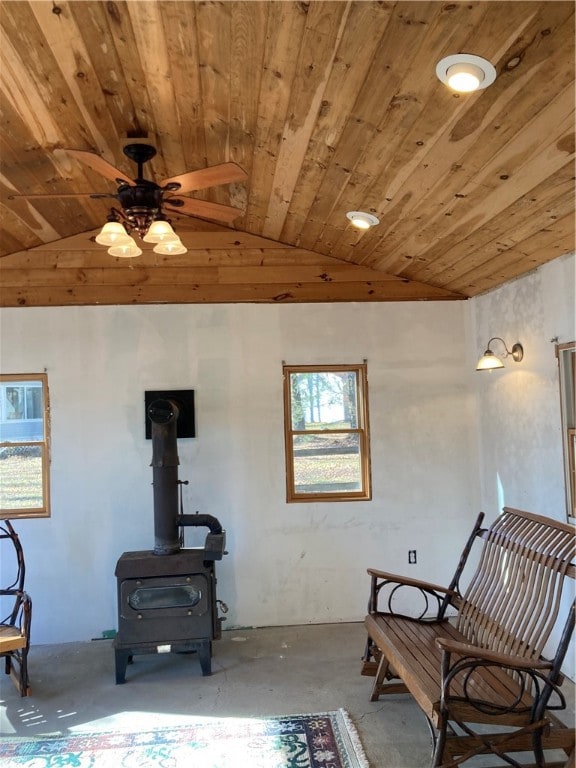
(362, 220)
(465, 73)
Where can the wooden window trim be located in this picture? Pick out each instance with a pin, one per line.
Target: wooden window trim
(363, 431)
(568, 427)
(44, 511)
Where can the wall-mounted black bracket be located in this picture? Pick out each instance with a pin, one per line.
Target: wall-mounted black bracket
(184, 399)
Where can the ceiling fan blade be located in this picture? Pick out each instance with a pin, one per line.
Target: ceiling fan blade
(225, 173)
(56, 196)
(203, 209)
(100, 165)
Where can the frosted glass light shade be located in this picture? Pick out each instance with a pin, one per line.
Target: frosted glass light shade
(170, 247)
(113, 233)
(160, 232)
(489, 362)
(126, 250)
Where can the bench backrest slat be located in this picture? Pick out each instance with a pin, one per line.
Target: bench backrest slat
(513, 599)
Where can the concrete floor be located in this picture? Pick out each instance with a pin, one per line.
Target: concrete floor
(269, 671)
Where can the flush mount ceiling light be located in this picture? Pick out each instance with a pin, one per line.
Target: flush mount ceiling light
(362, 220)
(489, 361)
(464, 72)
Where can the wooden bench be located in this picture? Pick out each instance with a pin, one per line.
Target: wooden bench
(474, 662)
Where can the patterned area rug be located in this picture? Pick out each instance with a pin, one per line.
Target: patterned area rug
(325, 740)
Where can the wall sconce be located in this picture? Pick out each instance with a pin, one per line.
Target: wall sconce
(489, 361)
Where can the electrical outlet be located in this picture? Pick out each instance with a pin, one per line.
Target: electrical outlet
(412, 556)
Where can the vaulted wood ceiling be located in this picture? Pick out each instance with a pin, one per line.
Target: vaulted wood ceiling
(328, 106)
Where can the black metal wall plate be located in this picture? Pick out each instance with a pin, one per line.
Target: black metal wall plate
(184, 399)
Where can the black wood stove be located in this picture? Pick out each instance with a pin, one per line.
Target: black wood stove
(167, 597)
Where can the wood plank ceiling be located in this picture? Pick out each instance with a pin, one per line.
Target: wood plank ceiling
(328, 106)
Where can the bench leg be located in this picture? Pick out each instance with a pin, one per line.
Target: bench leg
(385, 673)
(370, 659)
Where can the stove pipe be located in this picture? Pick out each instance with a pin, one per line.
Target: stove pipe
(164, 417)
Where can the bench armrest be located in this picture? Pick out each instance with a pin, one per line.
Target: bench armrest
(484, 654)
(407, 581)
(463, 666)
(385, 588)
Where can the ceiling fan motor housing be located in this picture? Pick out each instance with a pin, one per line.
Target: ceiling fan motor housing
(141, 204)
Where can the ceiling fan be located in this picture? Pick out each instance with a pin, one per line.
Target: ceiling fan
(143, 201)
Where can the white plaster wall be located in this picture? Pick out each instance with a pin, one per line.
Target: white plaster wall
(520, 442)
(288, 563)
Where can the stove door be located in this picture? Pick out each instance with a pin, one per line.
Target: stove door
(165, 609)
(165, 597)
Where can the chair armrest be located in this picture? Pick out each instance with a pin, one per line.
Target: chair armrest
(450, 646)
(21, 615)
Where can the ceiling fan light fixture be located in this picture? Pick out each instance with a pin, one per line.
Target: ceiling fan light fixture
(126, 250)
(160, 231)
(465, 72)
(113, 233)
(362, 220)
(170, 247)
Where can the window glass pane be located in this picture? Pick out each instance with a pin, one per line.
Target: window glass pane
(22, 413)
(21, 477)
(327, 463)
(34, 402)
(13, 403)
(324, 400)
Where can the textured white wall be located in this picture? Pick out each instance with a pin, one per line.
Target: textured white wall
(446, 442)
(288, 564)
(519, 407)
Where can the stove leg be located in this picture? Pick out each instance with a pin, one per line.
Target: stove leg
(205, 658)
(122, 659)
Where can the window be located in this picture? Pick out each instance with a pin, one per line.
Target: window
(326, 426)
(566, 354)
(24, 443)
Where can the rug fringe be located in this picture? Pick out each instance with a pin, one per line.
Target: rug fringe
(354, 739)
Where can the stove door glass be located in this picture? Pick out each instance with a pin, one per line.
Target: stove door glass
(175, 596)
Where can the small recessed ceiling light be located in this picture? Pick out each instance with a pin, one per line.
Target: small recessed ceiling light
(362, 220)
(465, 72)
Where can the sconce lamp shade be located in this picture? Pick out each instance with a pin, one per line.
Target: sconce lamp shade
(113, 233)
(160, 232)
(489, 361)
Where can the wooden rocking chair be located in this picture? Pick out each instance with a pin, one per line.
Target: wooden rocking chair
(15, 627)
